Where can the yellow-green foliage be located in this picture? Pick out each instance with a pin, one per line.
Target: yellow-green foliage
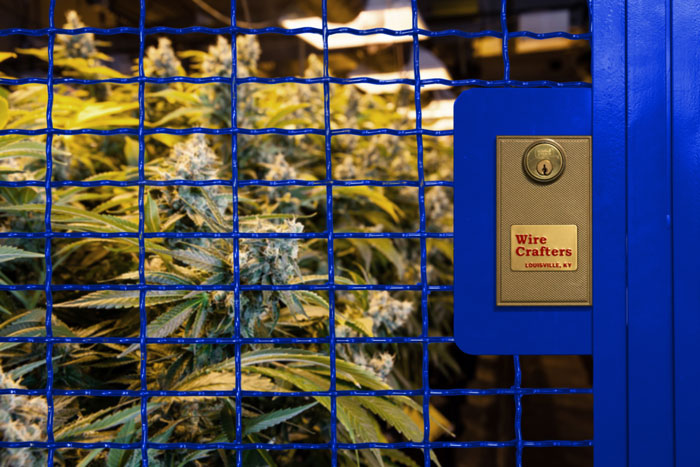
(291, 209)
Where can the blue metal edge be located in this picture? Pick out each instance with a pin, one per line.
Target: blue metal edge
(481, 114)
(686, 227)
(649, 237)
(608, 66)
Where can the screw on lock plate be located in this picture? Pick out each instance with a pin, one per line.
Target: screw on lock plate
(543, 161)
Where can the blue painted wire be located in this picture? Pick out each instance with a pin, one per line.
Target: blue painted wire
(236, 244)
(302, 446)
(505, 36)
(226, 340)
(297, 80)
(358, 392)
(50, 409)
(517, 396)
(251, 182)
(285, 32)
(516, 359)
(329, 229)
(143, 317)
(290, 235)
(211, 288)
(423, 246)
(142, 130)
(223, 131)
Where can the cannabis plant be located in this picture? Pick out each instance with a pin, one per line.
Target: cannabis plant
(195, 248)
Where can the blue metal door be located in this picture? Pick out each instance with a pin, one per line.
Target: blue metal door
(685, 134)
(644, 326)
(644, 323)
(645, 319)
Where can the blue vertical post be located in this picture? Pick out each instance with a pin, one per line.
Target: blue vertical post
(685, 101)
(609, 234)
(633, 314)
(649, 284)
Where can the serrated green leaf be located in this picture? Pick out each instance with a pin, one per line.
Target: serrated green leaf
(183, 112)
(393, 414)
(131, 151)
(115, 224)
(264, 453)
(345, 371)
(7, 55)
(101, 112)
(156, 277)
(85, 461)
(360, 426)
(31, 316)
(228, 420)
(21, 196)
(4, 112)
(195, 259)
(9, 253)
(95, 423)
(31, 149)
(151, 215)
(255, 218)
(172, 95)
(220, 223)
(311, 297)
(36, 331)
(193, 456)
(270, 419)
(119, 457)
(278, 117)
(385, 247)
(168, 322)
(399, 457)
(18, 372)
(109, 299)
(375, 195)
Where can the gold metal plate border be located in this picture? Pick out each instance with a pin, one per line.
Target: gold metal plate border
(535, 138)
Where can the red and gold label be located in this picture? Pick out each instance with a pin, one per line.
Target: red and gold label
(543, 247)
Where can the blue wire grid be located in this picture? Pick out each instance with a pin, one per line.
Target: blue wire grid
(516, 390)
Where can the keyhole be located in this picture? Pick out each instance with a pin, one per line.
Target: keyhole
(544, 167)
(543, 161)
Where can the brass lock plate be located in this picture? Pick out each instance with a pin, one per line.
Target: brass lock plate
(543, 220)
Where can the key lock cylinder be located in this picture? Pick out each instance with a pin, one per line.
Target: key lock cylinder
(544, 161)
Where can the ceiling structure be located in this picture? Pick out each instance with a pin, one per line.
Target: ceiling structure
(283, 55)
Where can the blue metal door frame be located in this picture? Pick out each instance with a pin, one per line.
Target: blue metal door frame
(646, 198)
(685, 132)
(609, 234)
(646, 316)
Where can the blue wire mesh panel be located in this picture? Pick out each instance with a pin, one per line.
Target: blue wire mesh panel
(517, 391)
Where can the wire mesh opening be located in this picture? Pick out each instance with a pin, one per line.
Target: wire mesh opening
(232, 185)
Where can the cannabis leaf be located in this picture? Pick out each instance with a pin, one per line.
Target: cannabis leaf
(9, 253)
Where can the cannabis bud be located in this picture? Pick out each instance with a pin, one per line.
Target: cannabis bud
(388, 311)
(22, 418)
(161, 61)
(78, 45)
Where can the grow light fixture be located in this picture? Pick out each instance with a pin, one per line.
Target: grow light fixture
(431, 67)
(438, 115)
(389, 14)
